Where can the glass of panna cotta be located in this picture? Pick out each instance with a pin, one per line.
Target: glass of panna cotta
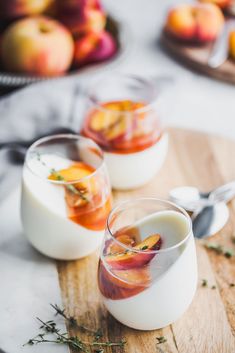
(147, 273)
(66, 196)
(124, 119)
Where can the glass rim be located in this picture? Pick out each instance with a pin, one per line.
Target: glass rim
(162, 201)
(65, 136)
(147, 107)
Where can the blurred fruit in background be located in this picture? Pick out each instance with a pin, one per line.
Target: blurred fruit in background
(37, 46)
(196, 23)
(94, 47)
(44, 45)
(232, 45)
(17, 8)
(81, 15)
(221, 3)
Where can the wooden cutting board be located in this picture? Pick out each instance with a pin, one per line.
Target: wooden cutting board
(196, 57)
(208, 326)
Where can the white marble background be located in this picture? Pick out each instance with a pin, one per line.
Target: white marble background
(28, 280)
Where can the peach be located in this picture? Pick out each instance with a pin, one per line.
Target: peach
(18, 8)
(122, 284)
(232, 44)
(94, 47)
(132, 259)
(37, 46)
(75, 172)
(115, 247)
(81, 16)
(199, 23)
(223, 4)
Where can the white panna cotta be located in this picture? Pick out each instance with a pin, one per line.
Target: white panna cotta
(44, 213)
(132, 137)
(132, 170)
(172, 272)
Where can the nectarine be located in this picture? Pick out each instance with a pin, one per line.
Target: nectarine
(94, 47)
(232, 44)
(199, 23)
(140, 256)
(81, 15)
(37, 46)
(18, 8)
(221, 3)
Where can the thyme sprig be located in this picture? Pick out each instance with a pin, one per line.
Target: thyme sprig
(161, 339)
(70, 187)
(59, 177)
(72, 322)
(219, 249)
(50, 333)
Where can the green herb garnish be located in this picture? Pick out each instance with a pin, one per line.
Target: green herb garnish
(50, 333)
(219, 249)
(161, 340)
(204, 282)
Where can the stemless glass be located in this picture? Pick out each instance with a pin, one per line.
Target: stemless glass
(147, 271)
(66, 196)
(124, 119)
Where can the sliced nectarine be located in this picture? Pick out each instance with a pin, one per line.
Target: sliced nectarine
(75, 172)
(103, 120)
(125, 239)
(117, 130)
(76, 194)
(140, 256)
(132, 277)
(114, 286)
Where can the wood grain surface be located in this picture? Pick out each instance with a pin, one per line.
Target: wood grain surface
(196, 57)
(208, 326)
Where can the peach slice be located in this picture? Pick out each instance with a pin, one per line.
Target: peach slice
(75, 172)
(122, 284)
(131, 259)
(117, 130)
(131, 278)
(117, 248)
(102, 120)
(77, 194)
(112, 122)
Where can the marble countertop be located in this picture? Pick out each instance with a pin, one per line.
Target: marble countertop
(28, 280)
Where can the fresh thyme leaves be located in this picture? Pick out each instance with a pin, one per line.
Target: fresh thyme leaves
(161, 339)
(50, 333)
(72, 322)
(228, 253)
(219, 249)
(213, 287)
(215, 247)
(204, 282)
(144, 247)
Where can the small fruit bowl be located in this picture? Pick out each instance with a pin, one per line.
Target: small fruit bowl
(115, 28)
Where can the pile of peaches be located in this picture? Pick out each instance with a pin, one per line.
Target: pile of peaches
(50, 37)
(199, 23)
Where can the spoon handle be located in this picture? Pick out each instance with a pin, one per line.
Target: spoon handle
(224, 193)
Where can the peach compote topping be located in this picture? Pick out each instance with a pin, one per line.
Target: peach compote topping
(124, 273)
(121, 126)
(84, 199)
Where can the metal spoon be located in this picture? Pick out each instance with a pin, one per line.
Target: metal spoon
(191, 198)
(210, 210)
